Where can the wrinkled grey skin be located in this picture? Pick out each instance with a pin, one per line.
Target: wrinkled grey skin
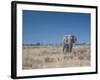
(68, 41)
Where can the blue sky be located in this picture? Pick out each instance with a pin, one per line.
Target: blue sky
(50, 27)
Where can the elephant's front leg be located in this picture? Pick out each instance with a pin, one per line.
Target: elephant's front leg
(70, 47)
(65, 48)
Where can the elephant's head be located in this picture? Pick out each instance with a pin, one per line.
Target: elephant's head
(70, 39)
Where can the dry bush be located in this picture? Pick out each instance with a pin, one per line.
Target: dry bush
(69, 57)
(36, 63)
(27, 62)
(48, 60)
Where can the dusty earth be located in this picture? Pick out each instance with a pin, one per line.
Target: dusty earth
(39, 57)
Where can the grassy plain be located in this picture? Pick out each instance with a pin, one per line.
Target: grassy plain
(39, 57)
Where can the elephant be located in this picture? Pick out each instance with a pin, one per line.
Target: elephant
(68, 41)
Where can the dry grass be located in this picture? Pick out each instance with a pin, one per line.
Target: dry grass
(35, 57)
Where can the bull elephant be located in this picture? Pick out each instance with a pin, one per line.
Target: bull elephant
(68, 41)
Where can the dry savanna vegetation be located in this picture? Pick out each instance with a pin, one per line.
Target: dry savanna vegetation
(39, 57)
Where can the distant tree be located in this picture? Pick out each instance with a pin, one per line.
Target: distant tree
(31, 44)
(38, 44)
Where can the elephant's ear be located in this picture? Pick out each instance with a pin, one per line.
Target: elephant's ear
(74, 39)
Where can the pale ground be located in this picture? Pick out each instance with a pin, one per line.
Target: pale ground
(35, 57)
